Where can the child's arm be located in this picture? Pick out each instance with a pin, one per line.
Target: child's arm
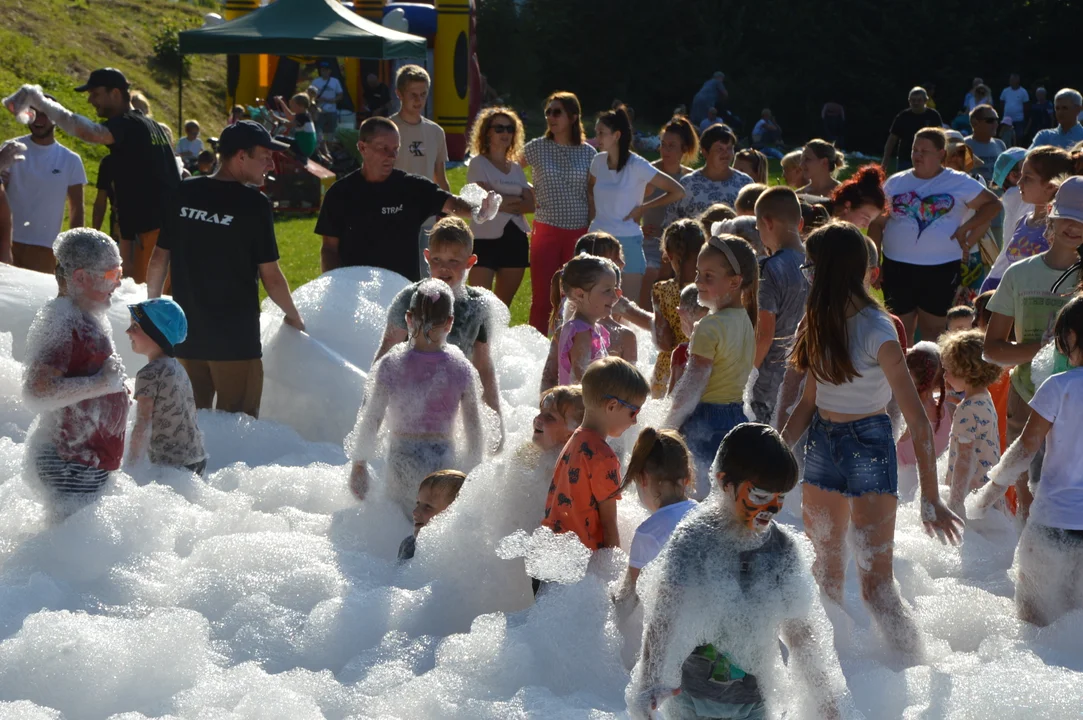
(661, 332)
(1012, 466)
(676, 372)
(629, 347)
(579, 354)
(959, 475)
(807, 650)
(689, 390)
(472, 425)
(626, 312)
(625, 599)
(607, 516)
(765, 336)
(797, 423)
(47, 389)
(483, 363)
(365, 433)
(647, 690)
(550, 372)
(144, 413)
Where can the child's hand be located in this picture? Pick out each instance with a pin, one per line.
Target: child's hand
(112, 373)
(359, 480)
(645, 702)
(940, 522)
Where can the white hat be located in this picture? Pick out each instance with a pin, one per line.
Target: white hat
(1068, 204)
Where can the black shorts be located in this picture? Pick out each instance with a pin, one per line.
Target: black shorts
(920, 287)
(510, 250)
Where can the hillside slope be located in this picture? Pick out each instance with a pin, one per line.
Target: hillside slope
(56, 43)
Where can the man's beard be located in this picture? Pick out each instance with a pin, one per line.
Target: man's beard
(40, 134)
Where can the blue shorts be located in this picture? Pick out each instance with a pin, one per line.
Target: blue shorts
(652, 251)
(635, 262)
(852, 458)
(686, 707)
(707, 426)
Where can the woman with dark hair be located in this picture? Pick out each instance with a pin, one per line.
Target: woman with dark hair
(678, 148)
(860, 199)
(821, 161)
(561, 163)
(616, 186)
(716, 181)
(849, 351)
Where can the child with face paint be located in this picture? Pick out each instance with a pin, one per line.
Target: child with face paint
(74, 378)
(707, 402)
(729, 553)
(420, 387)
(661, 468)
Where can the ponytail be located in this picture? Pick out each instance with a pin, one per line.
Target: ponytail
(661, 454)
(617, 120)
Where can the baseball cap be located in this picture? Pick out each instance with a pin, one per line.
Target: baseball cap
(245, 135)
(1068, 204)
(106, 78)
(1005, 162)
(163, 321)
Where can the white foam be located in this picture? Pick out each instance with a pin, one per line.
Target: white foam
(266, 591)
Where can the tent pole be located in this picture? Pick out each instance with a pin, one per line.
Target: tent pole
(180, 98)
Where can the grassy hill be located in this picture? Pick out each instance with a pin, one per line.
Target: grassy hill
(56, 43)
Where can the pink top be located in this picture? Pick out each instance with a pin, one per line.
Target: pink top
(904, 452)
(426, 389)
(599, 346)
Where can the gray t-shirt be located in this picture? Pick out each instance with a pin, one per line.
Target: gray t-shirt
(988, 152)
(472, 316)
(175, 435)
(783, 291)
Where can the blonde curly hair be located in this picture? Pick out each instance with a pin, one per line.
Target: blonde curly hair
(479, 133)
(961, 355)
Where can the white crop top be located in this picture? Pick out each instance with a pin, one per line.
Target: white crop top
(868, 392)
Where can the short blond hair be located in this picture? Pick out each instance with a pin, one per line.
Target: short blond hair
(747, 197)
(779, 203)
(568, 401)
(961, 354)
(452, 231)
(613, 377)
(445, 483)
(411, 73)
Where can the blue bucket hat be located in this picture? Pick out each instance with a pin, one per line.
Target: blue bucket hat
(163, 321)
(1006, 161)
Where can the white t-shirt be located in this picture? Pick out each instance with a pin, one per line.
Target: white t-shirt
(329, 89)
(37, 190)
(868, 330)
(1014, 208)
(422, 147)
(652, 533)
(479, 170)
(618, 193)
(194, 147)
(1013, 103)
(1058, 501)
(925, 214)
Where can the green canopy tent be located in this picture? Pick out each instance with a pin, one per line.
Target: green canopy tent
(300, 27)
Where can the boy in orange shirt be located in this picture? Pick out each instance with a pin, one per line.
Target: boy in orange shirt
(585, 489)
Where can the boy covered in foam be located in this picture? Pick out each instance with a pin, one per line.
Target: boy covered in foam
(435, 494)
(74, 378)
(165, 420)
(450, 256)
(726, 586)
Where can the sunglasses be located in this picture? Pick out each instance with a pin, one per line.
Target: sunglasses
(630, 406)
(503, 129)
(553, 112)
(113, 275)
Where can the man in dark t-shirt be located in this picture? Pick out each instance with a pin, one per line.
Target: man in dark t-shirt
(373, 216)
(905, 125)
(377, 97)
(219, 241)
(145, 175)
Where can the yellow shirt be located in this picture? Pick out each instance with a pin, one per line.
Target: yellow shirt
(728, 339)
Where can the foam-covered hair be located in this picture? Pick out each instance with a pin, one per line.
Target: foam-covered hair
(85, 248)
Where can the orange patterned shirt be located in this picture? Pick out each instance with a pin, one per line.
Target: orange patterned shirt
(587, 473)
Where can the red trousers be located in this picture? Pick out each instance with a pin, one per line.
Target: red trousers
(550, 248)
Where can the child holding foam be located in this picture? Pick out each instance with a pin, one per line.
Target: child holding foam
(435, 494)
(420, 388)
(165, 420)
(689, 312)
(74, 378)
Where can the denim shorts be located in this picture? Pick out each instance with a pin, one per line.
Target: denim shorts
(707, 426)
(652, 251)
(635, 262)
(685, 707)
(852, 458)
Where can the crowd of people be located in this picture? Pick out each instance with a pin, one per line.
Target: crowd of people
(761, 306)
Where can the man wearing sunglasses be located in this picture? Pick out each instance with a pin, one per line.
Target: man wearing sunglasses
(984, 142)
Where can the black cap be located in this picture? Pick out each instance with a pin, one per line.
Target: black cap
(106, 78)
(245, 135)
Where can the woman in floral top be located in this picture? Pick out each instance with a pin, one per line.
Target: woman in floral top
(716, 181)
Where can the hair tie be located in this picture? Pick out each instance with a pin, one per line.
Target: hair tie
(720, 244)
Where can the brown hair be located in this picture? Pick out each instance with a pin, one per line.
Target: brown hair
(982, 313)
(750, 270)
(716, 133)
(923, 362)
(935, 135)
(584, 272)
(570, 104)
(446, 483)
(864, 187)
(758, 161)
(756, 453)
(411, 73)
(824, 150)
(961, 354)
(601, 244)
(567, 399)
(822, 345)
(618, 120)
(374, 126)
(431, 304)
(960, 311)
(1070, 318)
(452, 230)
(1052, 162)
(479, 133)
(302, 100)
(681, 126)
(779, 203)
(682, 240)
(615, 377)
(662, 455)
(745, 204)
(715, 213)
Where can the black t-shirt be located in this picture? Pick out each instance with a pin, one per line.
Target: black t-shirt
(907, 124)
(378, 224)
(105, 184)
(218, 233)
(145, 174)
(377, 97)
